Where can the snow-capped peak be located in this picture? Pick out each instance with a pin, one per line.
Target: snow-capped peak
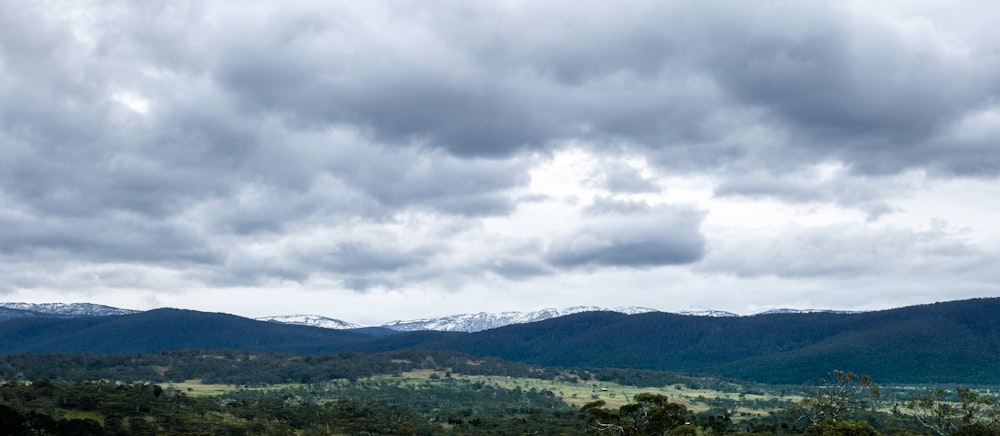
(312, 320)
(474, 322)
(787, 310)
(710, 313)
(68, 309)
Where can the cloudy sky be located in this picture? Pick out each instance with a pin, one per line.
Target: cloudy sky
(371, 160)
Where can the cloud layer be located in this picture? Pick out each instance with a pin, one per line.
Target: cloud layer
(436, 147)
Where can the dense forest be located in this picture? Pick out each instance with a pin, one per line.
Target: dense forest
(431, 393)
(954, 342)
(174, 372)
(258, 369)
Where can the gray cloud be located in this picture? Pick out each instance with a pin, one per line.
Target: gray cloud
(867, 194)
(360, 257)
(610, 206)
(667, 236)
(621, 177)
(361, 143)
(845, 251)
(519, 268)
(682, 80)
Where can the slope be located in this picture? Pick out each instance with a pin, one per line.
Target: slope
(161, 329)
(943, 342)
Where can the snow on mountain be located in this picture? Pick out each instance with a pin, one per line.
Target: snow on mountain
(470, 322)
(312, 320)
(474, 322)
(711, 313)
(787, 310)
(68, 309)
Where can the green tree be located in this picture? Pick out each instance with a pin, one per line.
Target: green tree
(832, 427)
(645, 414)
(973, 413)
(11, 422)
(976, 429)
(840, 398)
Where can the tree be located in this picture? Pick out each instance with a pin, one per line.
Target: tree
(976, 429)
(601, 420)
(11, 422)
(645, 414)
(972, 414)
(832, 427)
(841, 398)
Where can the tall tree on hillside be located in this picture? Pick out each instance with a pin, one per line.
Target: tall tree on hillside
(645, 414)
(843, 397)
(973, 414)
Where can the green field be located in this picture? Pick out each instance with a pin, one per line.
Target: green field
(575, 394)
(348, 394)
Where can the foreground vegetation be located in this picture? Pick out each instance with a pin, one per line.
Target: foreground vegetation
(423, 393)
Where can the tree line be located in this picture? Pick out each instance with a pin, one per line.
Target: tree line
(343, 394)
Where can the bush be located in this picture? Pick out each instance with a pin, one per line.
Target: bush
(830, 427)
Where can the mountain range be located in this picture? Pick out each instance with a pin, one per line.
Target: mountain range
(953, 342)
(454, 323)
(470, 322)
(27, 310)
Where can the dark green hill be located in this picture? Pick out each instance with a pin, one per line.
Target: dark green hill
(162, 329)
(943, 342)
(954, 342)
(7, 313)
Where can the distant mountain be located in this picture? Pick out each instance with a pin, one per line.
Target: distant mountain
(786, 311)
(454, 323)
(8, 313)
(709, 313)
(313, 320)
(956, 342)
(476, 322)
(163, 329)
(66, 309)
(473, 322)
(953, 342)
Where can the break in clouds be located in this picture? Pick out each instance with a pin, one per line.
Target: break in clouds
(378, 145)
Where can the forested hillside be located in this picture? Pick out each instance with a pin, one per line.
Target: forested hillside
(944, 342)
(955, 342)
(162, 329)
(447, 393)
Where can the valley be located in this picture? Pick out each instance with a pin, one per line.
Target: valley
(393, 393)
(917, 370)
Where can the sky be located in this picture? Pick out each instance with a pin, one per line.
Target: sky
(380, 160)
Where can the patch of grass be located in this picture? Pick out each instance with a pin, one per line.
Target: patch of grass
(576, 394)
(92, 415)
(196, 388)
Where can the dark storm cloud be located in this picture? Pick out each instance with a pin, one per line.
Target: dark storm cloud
(656, 238)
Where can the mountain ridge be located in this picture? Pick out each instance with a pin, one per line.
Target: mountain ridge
(67, 309)
(312, 320)
(474, 322)
(950, 342)
(467, 322)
